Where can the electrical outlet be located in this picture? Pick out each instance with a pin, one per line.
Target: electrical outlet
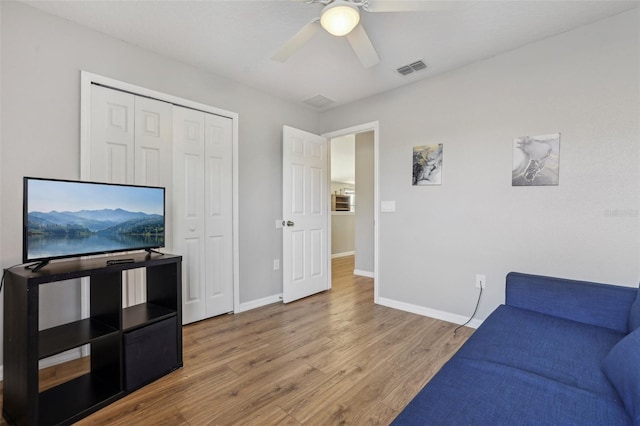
(481, 281)
(276, 264)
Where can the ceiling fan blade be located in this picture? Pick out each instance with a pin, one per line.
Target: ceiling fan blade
(361, 44)
(406, 5)
(297, 41)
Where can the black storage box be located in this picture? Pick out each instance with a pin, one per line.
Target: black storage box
(149, 353)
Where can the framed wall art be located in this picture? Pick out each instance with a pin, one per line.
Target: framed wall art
(536, 160)
(427, 165)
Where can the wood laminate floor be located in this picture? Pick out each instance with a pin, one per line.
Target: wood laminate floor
(333, 358)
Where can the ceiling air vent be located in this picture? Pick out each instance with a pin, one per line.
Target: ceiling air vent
(405, 70)
(418, 65)
(415, 66)
(319, 101)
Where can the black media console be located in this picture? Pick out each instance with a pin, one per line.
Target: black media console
(130, 347)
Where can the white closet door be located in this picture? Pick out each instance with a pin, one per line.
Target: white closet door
(130, 144)
(112, 152)
(153, 137)
(203, 223)
(112, 136)
(218, 214)
(152, 167)
(154, 152)
(189, 236)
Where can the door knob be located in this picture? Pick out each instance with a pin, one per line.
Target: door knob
(289, 223)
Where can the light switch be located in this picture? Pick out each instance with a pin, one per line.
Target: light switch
(387, 206)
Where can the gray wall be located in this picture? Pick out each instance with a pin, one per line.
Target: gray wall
(584, 84)
(364, 232)
(41, 61)
(342, 232)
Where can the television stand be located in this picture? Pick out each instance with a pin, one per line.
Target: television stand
(150, 251)
(35, 267)
(130, 347)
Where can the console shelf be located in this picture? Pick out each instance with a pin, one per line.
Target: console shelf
(89, 394)
(129, 347)
(68, 336)
(144, 314)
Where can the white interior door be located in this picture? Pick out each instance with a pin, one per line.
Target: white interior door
(202, 148)
(305, 258)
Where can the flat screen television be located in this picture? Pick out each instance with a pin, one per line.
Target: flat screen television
(63, 218)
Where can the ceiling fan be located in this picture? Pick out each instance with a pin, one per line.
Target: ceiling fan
(342, 18)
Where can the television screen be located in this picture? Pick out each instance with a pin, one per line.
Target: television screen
(72, 218)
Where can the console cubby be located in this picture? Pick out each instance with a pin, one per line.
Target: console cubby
(120, 340)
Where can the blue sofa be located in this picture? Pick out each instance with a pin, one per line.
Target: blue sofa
(559, 352)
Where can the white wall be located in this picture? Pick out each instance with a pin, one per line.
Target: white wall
(40, 78)
(1, 204)
(364, 232)
(584, 84)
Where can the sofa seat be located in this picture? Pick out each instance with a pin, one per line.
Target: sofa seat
(473, 392)
(561, 350)
(523, 367)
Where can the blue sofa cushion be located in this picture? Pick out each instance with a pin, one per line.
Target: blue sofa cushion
(566, 351)
(570, 299)
(473, 392)
(634, 314)
(622, 367)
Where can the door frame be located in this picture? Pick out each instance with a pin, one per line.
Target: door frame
(361, 128)
(86, 80)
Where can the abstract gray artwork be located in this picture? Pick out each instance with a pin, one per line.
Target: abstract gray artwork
(536, 160)
(427, 165)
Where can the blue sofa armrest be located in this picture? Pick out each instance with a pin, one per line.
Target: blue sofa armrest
(603, 305)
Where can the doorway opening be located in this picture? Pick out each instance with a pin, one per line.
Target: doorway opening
(343, 193)
(354, 195)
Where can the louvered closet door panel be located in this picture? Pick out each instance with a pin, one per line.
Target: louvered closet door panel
(188, 216)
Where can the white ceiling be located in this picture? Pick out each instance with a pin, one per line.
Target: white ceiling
(236, 39)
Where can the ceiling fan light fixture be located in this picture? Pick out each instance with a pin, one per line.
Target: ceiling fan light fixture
(340, 17)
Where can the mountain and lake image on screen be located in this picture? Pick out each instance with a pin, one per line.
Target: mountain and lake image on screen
(69, 218)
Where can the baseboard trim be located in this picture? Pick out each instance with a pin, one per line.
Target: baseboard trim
(362, 273)
(428, 312)
(60, 358)
(343, 254)
(258, 303)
